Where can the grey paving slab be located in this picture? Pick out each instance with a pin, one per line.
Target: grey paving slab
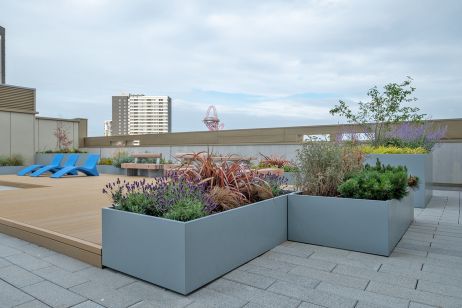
(88, 304)
(106, 296)
(207, 297)
(62, 277)
(53, 295)
(424, 270)
(404, 281)
(251, 279)
(308, 305)
(11, 296)
(18, 276)
(370, 297)
(109, 278)
(12, 242)
(65, 262)
(36, 251)
(27, 262)
(253, 295)
(308, 262)
(336, 278)
(444, 289)
(303, 281)
(357, 262)
(4, 263)
(6, 251)
(154, 295)
(33, 304)
(414, 295)
(311, 296)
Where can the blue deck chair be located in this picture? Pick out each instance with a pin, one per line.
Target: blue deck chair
(70, 162)
(89, 167)
(55, 163)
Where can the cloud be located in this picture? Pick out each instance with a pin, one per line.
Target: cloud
(258, 55)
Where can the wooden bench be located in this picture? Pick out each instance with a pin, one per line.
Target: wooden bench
(151, 169)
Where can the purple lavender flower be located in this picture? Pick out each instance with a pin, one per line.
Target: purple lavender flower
(415, 135)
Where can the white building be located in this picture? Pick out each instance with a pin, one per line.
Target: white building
(108, 128)
(136, 114)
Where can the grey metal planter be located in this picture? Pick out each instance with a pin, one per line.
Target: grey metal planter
(109, 169)
(10, 169)
(183, 256)
(361, 225)
(290, 176)
(46, 158)
(417, 164)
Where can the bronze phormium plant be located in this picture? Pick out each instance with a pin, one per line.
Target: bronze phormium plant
(323, 166)
(235, 176)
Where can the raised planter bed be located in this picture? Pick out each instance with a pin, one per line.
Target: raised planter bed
(183, 256)
(418, 165)
(361, 225)
(10, 169)
(109, 169)
(46, 158)
(290, 176)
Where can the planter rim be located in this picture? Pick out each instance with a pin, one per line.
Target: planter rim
(197, 219)
(420, 154)
(341, 198)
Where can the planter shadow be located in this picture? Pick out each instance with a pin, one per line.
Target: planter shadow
(183, 256)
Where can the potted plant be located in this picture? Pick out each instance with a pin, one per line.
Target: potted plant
(183, 231)
(344, 204)
(395, 133)
(11, 164)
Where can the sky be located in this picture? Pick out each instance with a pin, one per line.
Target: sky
(261, 63)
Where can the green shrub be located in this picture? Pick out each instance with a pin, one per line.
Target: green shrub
(105, 161)
(377, 182)
(120, 158)
(66, 150)
(136, 202)
(369, 149)
(290, 168)
(13, 160)
(323, 166)
(186, 209)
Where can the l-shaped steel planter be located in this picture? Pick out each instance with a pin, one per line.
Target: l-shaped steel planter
(369, 226)
(183, 256)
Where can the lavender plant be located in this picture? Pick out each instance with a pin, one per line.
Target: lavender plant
(160, 198)
(415, 135)
(274, 182)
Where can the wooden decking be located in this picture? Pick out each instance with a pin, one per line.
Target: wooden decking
(60, 214)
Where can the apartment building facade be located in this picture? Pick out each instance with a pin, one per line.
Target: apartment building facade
(136, 114)
(2, 55)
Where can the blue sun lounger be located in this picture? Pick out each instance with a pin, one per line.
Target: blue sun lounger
(70, 162)
(55, 163)
(89, 167)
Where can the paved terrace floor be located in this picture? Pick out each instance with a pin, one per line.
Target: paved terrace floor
(425, 270)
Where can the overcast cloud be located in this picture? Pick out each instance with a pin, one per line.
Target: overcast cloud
(262, 63)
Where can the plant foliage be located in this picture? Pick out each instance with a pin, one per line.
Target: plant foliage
(192, 191)
(377, 182)
(323, 165)
(383, 109)
(369, 149)
(13, 160)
